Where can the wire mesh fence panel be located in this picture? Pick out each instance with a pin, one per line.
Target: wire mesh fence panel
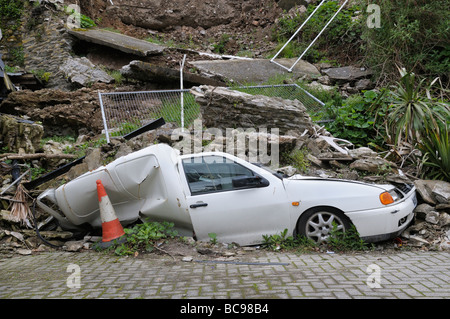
(313, 105)
(124, 112)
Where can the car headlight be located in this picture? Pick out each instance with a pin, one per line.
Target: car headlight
(390, 197)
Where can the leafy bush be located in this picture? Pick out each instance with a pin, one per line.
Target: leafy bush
(283, 242)
(10, 10)
(359, 119)
(143, 237)
(343, 29)
(346, 241)
(413, 34)
(85, 21)
(297, 159)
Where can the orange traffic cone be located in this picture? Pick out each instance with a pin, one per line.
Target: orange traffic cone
(111, 227)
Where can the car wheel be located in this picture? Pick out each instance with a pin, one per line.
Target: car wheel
(317, 224)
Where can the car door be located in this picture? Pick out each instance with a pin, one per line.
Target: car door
(232, 201)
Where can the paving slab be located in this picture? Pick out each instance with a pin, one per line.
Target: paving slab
(253, 71)
(264, 275)
(118, 41)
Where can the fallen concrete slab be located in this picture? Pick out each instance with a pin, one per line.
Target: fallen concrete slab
(254, 71)
(118, 41)
(144, 71)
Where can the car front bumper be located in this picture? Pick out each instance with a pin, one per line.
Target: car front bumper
(385, 223)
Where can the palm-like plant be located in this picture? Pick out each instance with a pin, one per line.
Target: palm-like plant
(412, 109)
(436, 149)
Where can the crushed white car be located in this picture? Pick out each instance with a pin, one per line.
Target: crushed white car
(223, 194)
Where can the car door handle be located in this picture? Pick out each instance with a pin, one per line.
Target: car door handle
(199, 205)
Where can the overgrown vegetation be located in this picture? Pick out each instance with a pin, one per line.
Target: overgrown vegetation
(414, 34)
(411, 113)
(359, 119)
(297, 159)
(283, 242)
(85, 21)
(338, 241)
(344, 29)
(10, 13)
(346, 241)
(144, 238)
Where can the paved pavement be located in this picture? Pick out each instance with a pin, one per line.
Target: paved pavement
(264, 275)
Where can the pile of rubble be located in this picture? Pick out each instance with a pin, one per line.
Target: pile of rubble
(431, 230)
(327, 157)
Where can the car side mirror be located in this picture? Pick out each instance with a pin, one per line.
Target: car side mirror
(249, 181)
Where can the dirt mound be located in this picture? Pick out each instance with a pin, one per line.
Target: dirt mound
(238, 25)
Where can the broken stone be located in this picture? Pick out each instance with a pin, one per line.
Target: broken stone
(288, 170)
(20, 136)
(444, 219)
(119, 41)
(24, 252)
(418, 241)
(347, 73)
(374, 165)
(362, 152)
(432, 217)
(445, 245)
(144, 71)
(441, 193)
(314, 160)
(422, 210)
(62, 113)
(324, 79)
(48, 234)
(320, 86)
(93, 158)
(364, 84)
(74, 245)
(425, 189)
(83, 72)
(443, 207)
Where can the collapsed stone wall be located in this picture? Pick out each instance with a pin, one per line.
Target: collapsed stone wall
(41, 42)
(46, 43)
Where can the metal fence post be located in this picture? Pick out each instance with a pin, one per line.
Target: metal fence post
(181, 85)
(103, 116)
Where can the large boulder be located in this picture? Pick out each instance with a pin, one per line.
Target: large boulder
(223, 108)
(83, 72)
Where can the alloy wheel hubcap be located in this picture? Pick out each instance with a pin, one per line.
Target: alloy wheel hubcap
(319, 226)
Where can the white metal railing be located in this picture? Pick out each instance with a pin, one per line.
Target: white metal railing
(313, 41)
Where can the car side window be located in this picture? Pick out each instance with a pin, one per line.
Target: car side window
(208, 174)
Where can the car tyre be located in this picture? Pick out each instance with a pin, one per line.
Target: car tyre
(317, 223)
